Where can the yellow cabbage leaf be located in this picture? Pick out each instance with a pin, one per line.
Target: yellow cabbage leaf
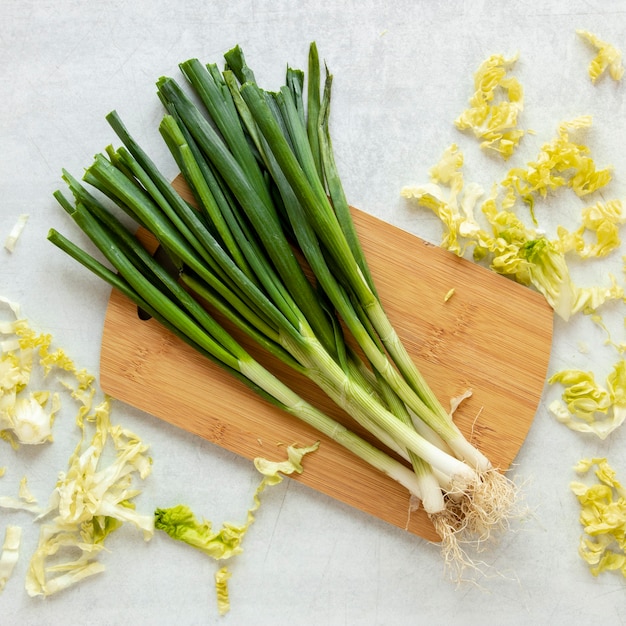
(509, 246)
(91, 499)
(26, 415)
(620, 346)
(273, 471)
(603, 219)
(10, 553)
(603, 517)
(94, 496)
(25, 500)
(448, 170)
(549, 273)
(494, 107)
(608, 56)
(560, 163)
(588, 407)
(222, 577)
(455, 209)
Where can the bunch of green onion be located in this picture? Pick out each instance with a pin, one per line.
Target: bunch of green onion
(269, 201)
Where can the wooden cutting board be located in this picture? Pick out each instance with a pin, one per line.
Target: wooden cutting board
(492, 336)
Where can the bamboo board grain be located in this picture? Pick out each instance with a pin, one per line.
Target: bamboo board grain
(492, 336)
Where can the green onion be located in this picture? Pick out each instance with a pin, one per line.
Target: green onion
(270, 211)
(221, 348)
(312, 196)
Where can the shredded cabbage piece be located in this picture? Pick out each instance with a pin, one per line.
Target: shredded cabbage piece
(620, 346)
(53, 540)
(16, 232)
(495, 106)
(587, 406)
(509, 246)
(27, 416)
(25, 500)
(180, 523)
(32, 417)
(603, 219)
(608, 56)
(603, 517)
(91, 499)
(10, 553)
(449, 294)
(560, 162)
(273, 471)
(95, 495)
(456, 208)
(549, 273)
(222, 577)
(448, 170)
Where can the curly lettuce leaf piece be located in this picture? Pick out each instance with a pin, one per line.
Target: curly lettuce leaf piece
(468, 226)
(222, 577)
(495, 106)
(454, 209)
(608, 56)
(508, 245)
(13, 306)
(504, 245)
(560, 163)
(180, 523)
(549, 273)
(588, 407)
(620, 346)
(431, 197)
(273, 471)
(603, 517)
(11, 502)
(10, 553)
(447, 170)
(603, 219)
